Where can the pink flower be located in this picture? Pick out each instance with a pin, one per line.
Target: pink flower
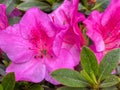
(15, 13)
(3, 20)
(67, 15)
(3, 17)
(104, 29)
(33, 46)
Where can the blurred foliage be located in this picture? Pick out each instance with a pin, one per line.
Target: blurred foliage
(85, 6)
(92, 76)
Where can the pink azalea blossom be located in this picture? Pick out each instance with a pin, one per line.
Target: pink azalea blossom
(67, 15)
(104, 29)
(30, 47)
(37, 45)
(3, 19)
(15, 13)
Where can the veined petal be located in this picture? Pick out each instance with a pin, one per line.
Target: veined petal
(35, 19)
(93, 30)
(57, 43)
(111, 13)
(33, 71)
(14, 45)
(64, 14)
(67, 15)
(63, 60)
(74, 50)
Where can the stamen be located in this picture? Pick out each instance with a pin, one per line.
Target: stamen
(41, 56)
(44, 52)
(51, 56)
(35, 57)
(53, 18)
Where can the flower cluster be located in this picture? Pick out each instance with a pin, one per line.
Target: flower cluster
(41, 43)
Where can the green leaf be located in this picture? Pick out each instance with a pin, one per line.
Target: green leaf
(84, 3)
(51, 1)
(71, 88)
(2, 72)
(110, 88)
(104, 3)
(88, 61)
(1, 1)
(14, 20)
(26, 5)
(108, 64)
(85, 75)
(36, 87)
(8, 82)
(69, 78)
(1, 88)
(10, 4)
(55, 6)
(118, 70)
(110, 81)
(97, 5)
(28, 0)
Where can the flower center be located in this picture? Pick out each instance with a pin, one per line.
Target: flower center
(44, 52)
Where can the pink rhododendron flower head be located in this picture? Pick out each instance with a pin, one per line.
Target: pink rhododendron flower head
(15, 13)
(104, 28)
(30, 45)
(3, 17)
(67, 15)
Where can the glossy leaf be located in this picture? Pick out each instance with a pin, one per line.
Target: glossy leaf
(14, 20)
(1, 88)
(88, 61)
(110, 88)
(118, 70)
(85, 75)
(69, 78)
(110, 81)
(108, 64)
(26, 5)
(36, 87)
(104, 3)
(1, 1)
(71, 88)
(10, 4)
(8, 82)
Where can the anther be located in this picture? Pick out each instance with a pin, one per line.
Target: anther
(41, 56)
(51, 56)
(35, 57)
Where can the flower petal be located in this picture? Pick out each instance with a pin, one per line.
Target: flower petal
(66, 13)
(110, 13)
(63, 60)
(57, 43)
(93, 30)
(35, 19)
(32, 71)
(14, 45)
(74, 50)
